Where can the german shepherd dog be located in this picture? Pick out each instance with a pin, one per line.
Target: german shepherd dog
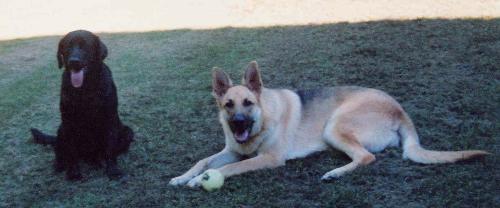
(276, 125)
(91, 129)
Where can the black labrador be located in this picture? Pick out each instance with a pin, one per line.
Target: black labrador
(91, 130)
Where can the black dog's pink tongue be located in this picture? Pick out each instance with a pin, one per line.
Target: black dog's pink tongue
(241, 137)
(77, 78)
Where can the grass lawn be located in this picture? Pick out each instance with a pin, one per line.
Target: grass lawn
(445, 73)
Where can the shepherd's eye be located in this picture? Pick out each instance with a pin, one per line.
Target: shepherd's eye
(247, 103)
(229, 104)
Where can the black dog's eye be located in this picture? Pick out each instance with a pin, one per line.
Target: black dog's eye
(247, 103)
(229, 104)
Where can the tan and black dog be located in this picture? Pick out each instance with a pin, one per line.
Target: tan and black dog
(278, 124)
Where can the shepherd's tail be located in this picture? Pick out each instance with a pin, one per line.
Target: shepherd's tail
(413, 151)
(41, 138)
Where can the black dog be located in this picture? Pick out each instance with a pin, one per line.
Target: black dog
(90, 130)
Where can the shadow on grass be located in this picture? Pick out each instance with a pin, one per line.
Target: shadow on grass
(444, 72)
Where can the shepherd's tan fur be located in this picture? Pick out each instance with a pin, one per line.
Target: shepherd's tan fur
(358, 121)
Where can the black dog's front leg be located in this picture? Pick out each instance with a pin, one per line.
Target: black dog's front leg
(111, 155)
(71, 160)
(67, 156)
(59, 164)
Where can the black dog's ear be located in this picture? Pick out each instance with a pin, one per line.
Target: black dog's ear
(220, 83)
(59, 55)
(101, 49)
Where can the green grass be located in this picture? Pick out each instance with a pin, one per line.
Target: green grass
(444, 72)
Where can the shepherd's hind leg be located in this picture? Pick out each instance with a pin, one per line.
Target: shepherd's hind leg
(343, 138)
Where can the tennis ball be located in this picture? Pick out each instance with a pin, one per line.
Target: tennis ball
(212, 179)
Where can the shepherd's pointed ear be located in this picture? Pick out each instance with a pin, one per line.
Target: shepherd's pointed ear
(220, 82)
(252, 78)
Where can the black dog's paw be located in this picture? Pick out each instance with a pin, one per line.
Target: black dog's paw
(58, 167)
(73, 176)
(95, 165)
(114, 173)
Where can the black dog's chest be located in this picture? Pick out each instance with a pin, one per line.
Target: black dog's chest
(85, 109)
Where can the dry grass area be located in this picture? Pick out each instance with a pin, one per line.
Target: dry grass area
(444, 72)
(24, 18)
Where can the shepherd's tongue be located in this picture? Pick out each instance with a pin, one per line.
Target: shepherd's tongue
(242, 137)
(77, 78)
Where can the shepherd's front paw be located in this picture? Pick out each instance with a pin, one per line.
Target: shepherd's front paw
(179, 181)
(195, 182)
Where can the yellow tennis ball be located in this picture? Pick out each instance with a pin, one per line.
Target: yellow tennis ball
(212, 179)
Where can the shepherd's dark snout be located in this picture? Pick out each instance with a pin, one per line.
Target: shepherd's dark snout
(239, 123)
(238, 118)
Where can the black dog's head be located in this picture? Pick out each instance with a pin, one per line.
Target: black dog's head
(78, 52)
